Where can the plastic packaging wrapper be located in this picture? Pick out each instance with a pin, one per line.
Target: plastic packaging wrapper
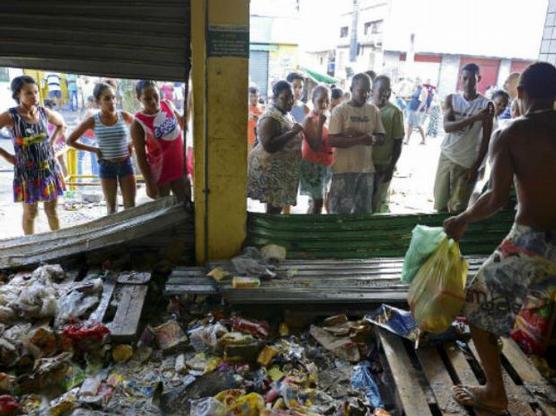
(247, 405)
(205, 338)
(81, 332)
(437, 292)
(259, 329)
(30, 296)
(273, 253)
(170, 337)
(52, 272)
(241, 282)
(78, 301)
(424, 241)
(395, 320)
(342, 347)
(363, 380)
(37, 301)
(251, 263)
(207, 406)
(8, 405)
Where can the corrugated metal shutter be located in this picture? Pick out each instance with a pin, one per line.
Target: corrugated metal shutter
(258, 70)
(112, 38)
(363, 236)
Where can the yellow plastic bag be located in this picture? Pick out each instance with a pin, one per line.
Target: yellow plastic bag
(437, 292)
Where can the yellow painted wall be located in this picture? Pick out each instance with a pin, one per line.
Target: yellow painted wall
(219, 129)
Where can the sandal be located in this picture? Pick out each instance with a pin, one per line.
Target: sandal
(472, 401)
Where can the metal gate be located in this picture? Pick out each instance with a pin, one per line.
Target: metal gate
(121, 39)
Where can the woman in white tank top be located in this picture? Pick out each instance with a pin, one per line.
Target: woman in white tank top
(114, 147)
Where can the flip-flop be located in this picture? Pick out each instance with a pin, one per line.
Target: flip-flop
(472, 401)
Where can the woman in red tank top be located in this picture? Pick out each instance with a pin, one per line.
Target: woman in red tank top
(157, 135)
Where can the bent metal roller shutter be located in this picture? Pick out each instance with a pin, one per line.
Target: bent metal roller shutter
(112, 38)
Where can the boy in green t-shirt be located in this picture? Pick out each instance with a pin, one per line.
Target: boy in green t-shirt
(386, 156)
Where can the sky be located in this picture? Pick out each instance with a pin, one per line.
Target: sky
(498, 28)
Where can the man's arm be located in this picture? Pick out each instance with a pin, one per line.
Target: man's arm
(271, 139)
(398, 134)
(483, 148)
(449, 121)
(496, 197)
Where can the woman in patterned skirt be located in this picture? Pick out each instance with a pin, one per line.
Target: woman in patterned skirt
(274, 162)
(37, 176)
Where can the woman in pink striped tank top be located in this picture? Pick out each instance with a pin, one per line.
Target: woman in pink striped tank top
(158, 141)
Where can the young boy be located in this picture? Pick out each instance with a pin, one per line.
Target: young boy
(386, 156)
(468, 121)
(355, 126)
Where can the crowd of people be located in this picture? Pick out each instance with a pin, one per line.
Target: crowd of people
(154, 135)
(341, 148)
(356, 147)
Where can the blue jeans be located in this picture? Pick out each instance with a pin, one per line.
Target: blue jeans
(115, 170)
(81, 157)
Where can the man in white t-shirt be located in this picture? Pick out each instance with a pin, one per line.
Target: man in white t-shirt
(355, 126)
(468, 119)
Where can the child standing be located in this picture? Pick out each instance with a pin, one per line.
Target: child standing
(114, 148)
(158, 140)
(37, 176)
(315, 172)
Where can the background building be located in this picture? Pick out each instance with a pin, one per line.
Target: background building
(548, 44)
(434, 39)
(274, 41)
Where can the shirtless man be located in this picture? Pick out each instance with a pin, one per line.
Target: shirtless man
(526, 150)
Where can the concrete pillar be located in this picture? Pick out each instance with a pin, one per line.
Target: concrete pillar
(448, 78)
(220, 58)
(504, 71)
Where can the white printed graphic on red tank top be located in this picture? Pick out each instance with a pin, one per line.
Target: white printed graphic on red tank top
(165, 127)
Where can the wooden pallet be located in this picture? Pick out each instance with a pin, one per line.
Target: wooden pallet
(423, 379)
(307, 281)
(131, 295)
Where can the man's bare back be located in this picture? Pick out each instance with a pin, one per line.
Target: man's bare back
(532, 147)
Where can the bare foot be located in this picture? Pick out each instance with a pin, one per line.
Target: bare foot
(477, 397)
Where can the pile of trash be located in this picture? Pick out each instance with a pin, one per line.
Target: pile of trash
(54, 360)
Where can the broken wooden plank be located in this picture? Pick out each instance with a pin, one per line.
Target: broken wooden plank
(440, 381)
(533, 381)
(134, 278)
(107, 291)
(411, 394)
(171, 290)
(126, 321)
